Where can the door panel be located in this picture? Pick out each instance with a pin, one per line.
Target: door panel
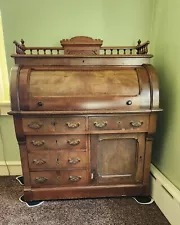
(117, 158)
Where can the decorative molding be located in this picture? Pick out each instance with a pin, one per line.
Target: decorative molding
(81, 45)
(14, 168)
(5, 108)
(166, 195)
(81, 40)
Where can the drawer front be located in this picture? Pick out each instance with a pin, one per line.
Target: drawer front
(54, 125)
(73, 159)
(60, 177)
(58, 159)
(38, 125)
(134, 123)
(70, 124)
(56, 142)
(41, 160)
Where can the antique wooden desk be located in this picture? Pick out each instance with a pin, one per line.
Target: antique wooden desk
(84, 116)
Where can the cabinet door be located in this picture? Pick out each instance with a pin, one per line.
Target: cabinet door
(117, 158)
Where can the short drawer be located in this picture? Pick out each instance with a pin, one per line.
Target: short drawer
(59, 177)
(56, 142)
(61, 159)
(121, 122)
(53, 125)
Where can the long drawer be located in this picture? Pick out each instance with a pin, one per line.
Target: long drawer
(53, 124)
(59, 177)
(61, 159)
(128, 122)
(56, 142)
(77, 124)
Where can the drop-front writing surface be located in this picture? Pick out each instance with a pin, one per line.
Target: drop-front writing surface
(85, 118)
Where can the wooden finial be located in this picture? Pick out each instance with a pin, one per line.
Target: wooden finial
(22, 43)
(142, 48)
(139, 42)
(20, 48)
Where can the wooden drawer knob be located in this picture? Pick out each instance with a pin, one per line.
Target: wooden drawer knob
(129, 102)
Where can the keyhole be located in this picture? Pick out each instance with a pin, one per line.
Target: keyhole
(54, 123)
(119, 123)
(57, 160)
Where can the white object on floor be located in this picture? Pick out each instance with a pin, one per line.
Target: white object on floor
(144, 203)
(165, 195)
(30, 206)
(19, 180)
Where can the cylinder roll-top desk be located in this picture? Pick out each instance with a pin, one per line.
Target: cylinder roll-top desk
(85, 117)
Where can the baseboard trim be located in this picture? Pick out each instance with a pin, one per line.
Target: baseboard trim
(4, 108)
(10, 168)
(3, 169)
(166, 195)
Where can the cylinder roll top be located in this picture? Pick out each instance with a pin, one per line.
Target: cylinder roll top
(85, 89)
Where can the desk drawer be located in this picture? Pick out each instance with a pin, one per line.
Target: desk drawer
(58, 159)
(56, 142)
(133, 123)
(50, 125)
(59, 177)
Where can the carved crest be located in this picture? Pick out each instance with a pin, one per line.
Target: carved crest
(81, 45)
